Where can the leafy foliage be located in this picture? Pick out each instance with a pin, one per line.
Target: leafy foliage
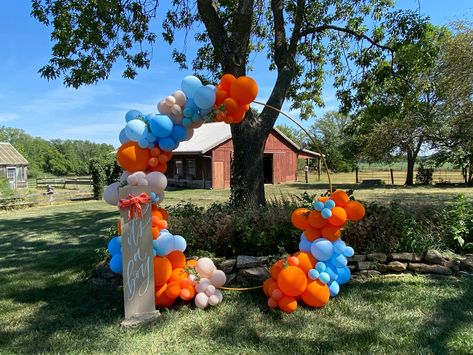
(104, 170)
(424, 175)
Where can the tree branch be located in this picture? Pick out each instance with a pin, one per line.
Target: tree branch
(280, 41)
(297, 26)
(241, 30)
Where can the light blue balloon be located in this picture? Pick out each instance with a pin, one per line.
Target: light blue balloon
(339, 246)
(334, 288)
(339, 260)
(163, 244)
(151, 137)
(188, 112)
(168, 144)
(326, 213)
(116, 264)
(344, 275)
(318, 206)
(149, 116)
(313, 274)
(114, 246)
(324, 277)
(320, 266)
(329, 204)
(204, 97)
(119, 240)
(161, 126)
(151, 145)
(214, 89)
(186, 122)
(143, 143)
(322, 249)
(123, 138)
(179, 133)
(331, 271)
(304, 244)
(136, 130)
(179, 243)
(132, 114)
(348, 252)
(190, 84)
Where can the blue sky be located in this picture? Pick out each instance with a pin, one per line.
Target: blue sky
(49, 110)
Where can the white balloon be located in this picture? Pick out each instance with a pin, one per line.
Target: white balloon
(157, 181)
(202, 285)
(143, 182)
(110, 195)
(176, 109)
(218, 278)
(132, 180)
(170, 101)
(201, 300)
(163, 108)
(180, 98)
(177, 119)
(219, 295)
(205, 267)
(213, 300)
(124, 176)
(161, 197)
(210, 290)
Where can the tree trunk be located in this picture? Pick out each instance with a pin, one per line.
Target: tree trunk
(411, 159)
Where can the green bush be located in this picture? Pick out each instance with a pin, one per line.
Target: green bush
(424, 175)
(5, 187)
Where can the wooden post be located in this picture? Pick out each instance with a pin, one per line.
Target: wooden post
(319, 169)
(138, 266)
(356, 175)
(392, 176)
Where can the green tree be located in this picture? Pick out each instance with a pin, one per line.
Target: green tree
(294, 134)
(299, 37)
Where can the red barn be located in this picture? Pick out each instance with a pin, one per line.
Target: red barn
(205, 159)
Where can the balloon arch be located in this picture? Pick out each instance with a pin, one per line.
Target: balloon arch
(313, 275)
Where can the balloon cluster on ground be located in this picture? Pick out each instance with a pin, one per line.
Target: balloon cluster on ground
(147, 142)
(317, 271)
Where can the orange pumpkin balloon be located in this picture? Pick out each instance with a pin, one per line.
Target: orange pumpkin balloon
(287, 304)
(355, 210)
(340, 198)
(276, 269)
(231, 105)
(299, 218)
(267, 284)
(339, 216)
(178, 275)
(272, 303)
(323, 199)
(162, 270)
(306, 261)
(332, 233)
(163, 300)
(292, 281)
(316, 220)
(220, 96)
(173, 290)
(312, 234)
(177, 259)
(155, 232)
(226, 82)
(244, 89)
(133, 158)
(317, 294)
(187, 293)
(164, 213)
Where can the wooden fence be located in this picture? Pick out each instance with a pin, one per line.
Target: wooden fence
(43, 199)
(63, 182)
(398, 177)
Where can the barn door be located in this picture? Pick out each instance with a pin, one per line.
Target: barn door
(11, 175)
(218, 181)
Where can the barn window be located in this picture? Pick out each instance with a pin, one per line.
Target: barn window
(178, 169)
(11, 172)
(191, 168)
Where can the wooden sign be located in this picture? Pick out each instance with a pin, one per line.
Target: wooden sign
(137, 251)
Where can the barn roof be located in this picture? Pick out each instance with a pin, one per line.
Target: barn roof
(10, 156)
(210, 135)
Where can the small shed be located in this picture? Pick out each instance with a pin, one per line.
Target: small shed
(205, 160)
(13, 166)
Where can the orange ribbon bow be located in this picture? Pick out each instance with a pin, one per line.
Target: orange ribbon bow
(134, 203)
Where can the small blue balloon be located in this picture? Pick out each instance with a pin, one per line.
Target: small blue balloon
(163, 244)
(148, 117)
(136, 130)
(344, 275)
(151, 145)
(324, 277)
(119, 240)
(143, 143)
(168, 144)
(331, 271)
(339, 246)
(190, 84)
(320, 266)
(329, 204)
(334, 288)
(313, 274)
(133, 114)
(318, 206)
(322, 249)
(339, 260)
(123, 138)
(116, 264)
(188, 112)
(161, 125)
(326, 213)
(151, 137)
(179, 133)
(304, 244)
(214, 89)
(179, 243)
(204, 97)
(186, 122)
(114, 246)
(348, 252)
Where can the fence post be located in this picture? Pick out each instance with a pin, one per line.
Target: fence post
(392, 176)
(356, 174)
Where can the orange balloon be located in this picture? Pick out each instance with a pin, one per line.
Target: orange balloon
(317, 294)
(133, 158)
(179, 275)
(220, 116)
(276, 269)
(155, 232)
(267, 284)
(306, 261)
(160, 290)
(355, 210)
(323, 199)
(312, 234)
(226, 82)
(162, 270)
(164, 213)
(155, 152)
(287, 304)
(220, 96)
(119, 227)
(191, 263)
(231, 105)
(187, 293)
(316, 220)
(177, 259)
(244, 89)
(340, 198)
(332, 233)
(272, 303)
(162, 224)
(173, 290)
(163, 300)
(240, 112)
(228, 119)
(339, 216)
(292, 281)
(299, 218)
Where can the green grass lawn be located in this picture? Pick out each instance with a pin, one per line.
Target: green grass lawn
(47, 304)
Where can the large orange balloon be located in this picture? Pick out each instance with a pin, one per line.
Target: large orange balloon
(179, 275)
(340, 198)
(162, 270)
(244, 89)
(173, 290)
(339, 216)
(299, 218)
(332, 233)
(292, 281)
(316, 220)
(355, 210)
(163, 300)
(177, 259)
(306, 261)
(287, 304)
(231, 105)
(276, 269)
(226, 82)
(312, 234)
(133, 158)
(317, 294)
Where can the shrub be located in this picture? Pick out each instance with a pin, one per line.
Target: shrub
(424, 175)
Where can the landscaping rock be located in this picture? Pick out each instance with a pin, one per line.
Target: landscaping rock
(364, 265)
(380, 257)
(467, 263)
(430, 269)
(228, 265)
(405, 257)
(364, 274)
(434, 257)
(463, 273)
(246, 262)
(230, 278)
(252, 276)
(357, 257)
(396, 266)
